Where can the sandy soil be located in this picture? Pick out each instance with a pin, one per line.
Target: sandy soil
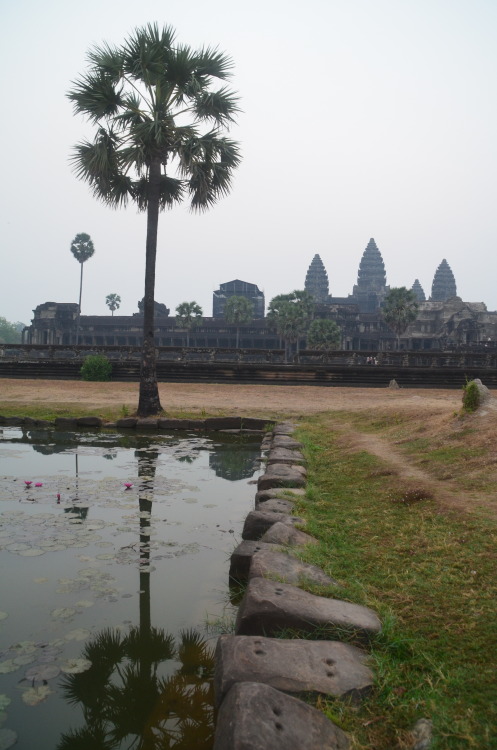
(265, 400)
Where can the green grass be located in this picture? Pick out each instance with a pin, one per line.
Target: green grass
(430, 577)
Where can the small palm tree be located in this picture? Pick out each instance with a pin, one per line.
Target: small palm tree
(291, 315)
(113, 302)
(238, 311)
(323, 334)
(158, 139)
(189, 315)
(400, 309)
(82, 248)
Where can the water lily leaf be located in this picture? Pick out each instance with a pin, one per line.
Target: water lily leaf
(3, 615)
(24, 660)
(84, 603)
(4, 701)
(40, 580)
(63, 613)
(32, 552)
(42, 672)
(8, 666)
(105, 556)
(75, 666)
(35, 695)
(80, 634)
(7, 738)
(25, 647)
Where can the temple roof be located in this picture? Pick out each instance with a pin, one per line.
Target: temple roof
(418, 291)
(316, 280)
(444, 283)
(371, 276)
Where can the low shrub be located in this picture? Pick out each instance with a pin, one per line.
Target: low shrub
(96, 367)
(470, 396)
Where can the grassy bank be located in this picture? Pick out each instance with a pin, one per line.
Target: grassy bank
(430, 575)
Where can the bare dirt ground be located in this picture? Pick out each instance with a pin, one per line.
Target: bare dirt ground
(264, 400)
(432, 413)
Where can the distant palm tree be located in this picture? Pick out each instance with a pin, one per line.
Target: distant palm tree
(113, 302)
(148, 99)
(189, 315)
(238, 311)
(323, 334)
(400, 309)
(82, 248)
(291, 314)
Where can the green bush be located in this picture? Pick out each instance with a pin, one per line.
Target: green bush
(470, 396)
(96, 367)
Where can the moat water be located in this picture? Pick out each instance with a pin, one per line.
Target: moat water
(114, 554)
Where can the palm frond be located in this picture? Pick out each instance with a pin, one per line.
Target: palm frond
(147, 52)
(213, 63)
(172, 191)
(107, 61)
(96, 96)
(219, 106)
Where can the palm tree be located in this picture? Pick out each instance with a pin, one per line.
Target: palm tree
(189, 315)
(238, 311)
(291, 314)
(82, 248)
(323, 334)
(148, 100)
(113, 302)
(400, 309)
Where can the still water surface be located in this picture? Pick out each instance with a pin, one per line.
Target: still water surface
(110, 597)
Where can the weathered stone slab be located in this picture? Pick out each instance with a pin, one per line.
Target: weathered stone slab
(30, 422)
(258, 522)
(66, 423)
(254, 716)
(276, 505)
(285, 456)
(223, 423)
(280, 475)
(127, 422)
(270, 607)
(268, 563)
(291, 665)
(89, 422)
(254, 423)
(287, 535)
(287, 493)
(147, 423)
(241, 558)
(286, 441)
(284, 428)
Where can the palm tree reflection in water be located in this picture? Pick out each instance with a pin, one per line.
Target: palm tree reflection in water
(125, 702)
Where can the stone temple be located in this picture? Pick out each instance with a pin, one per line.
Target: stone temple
(443, 321)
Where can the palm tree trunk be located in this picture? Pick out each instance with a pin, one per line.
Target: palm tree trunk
(149, 402)
(79, 306)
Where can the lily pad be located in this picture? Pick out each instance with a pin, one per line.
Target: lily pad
(63, 613)
(42, 672)
(8, 666)
(3, 615)
(75, 666)
(35, 695)
(80, 634)
(7, 738)
(4, 701)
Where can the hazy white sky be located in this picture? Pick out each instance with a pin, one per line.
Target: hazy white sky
(361, 118)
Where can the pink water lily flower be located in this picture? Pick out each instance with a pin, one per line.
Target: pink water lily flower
(38, 484)
(128, 485)
(28, 482)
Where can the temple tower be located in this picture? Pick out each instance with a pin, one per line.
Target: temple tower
(371, 279)
(316, 280)
(418, 291)
(444, 284)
